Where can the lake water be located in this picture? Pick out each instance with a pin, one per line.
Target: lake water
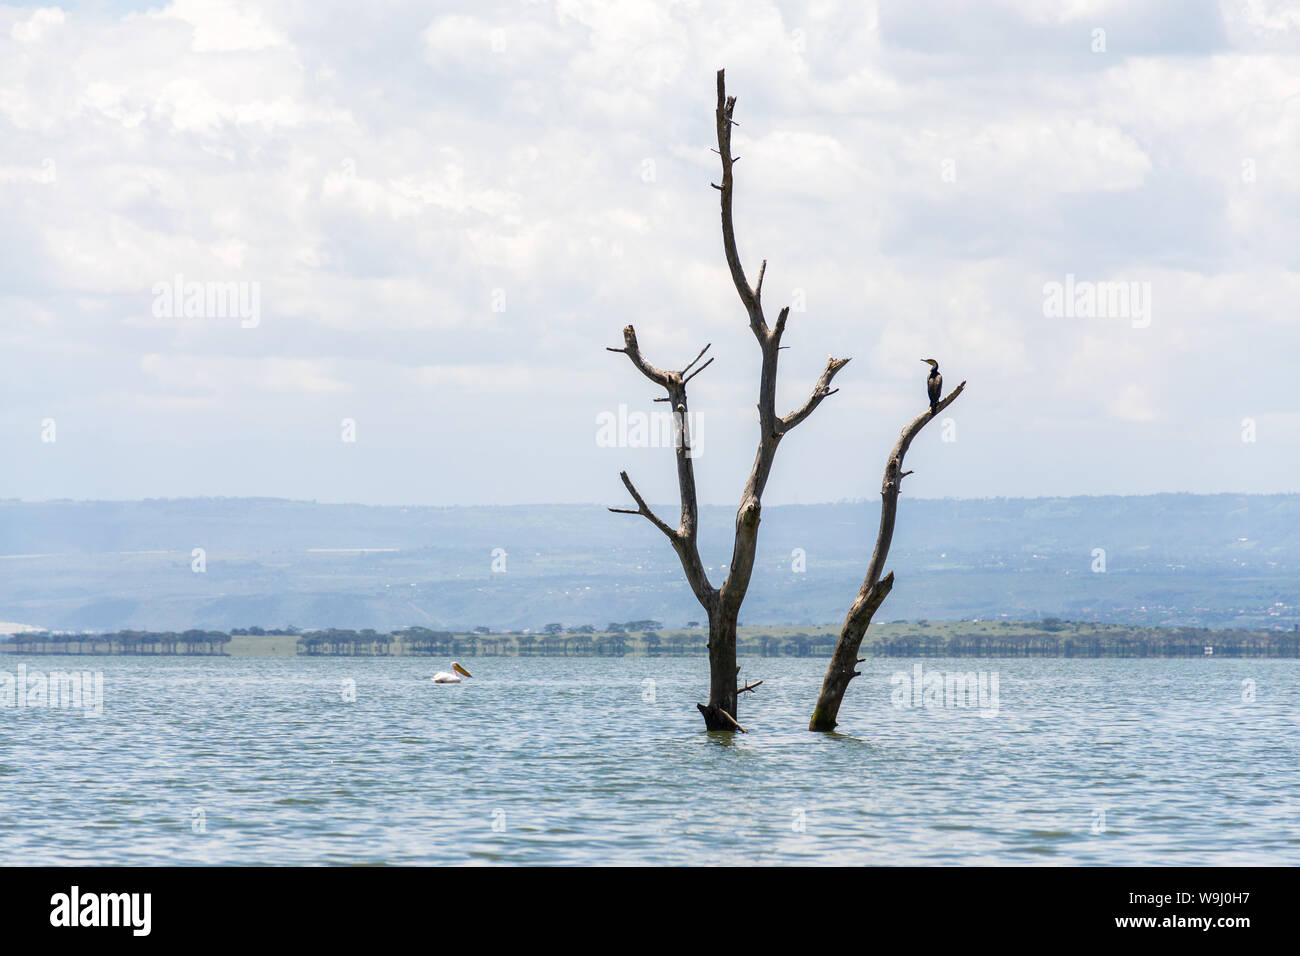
(554, 760)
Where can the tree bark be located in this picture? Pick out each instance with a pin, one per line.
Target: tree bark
(874, 589)
(722, 673)
(722, 605)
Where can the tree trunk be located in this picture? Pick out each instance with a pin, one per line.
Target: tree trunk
(874, 588)
(845, 659)
(722, 672)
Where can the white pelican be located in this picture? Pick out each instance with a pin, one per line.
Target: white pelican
(451, 677)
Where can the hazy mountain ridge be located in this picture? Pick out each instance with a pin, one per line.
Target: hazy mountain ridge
(1218, 560)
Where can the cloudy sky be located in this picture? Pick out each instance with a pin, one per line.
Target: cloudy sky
(447, 211)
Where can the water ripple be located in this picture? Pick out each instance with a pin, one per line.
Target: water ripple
(565, 761)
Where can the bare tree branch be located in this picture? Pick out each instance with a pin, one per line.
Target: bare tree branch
(697, 358)
(642, 508)
(890, 486)
(697, 371)
(633, 351)
(821, 390)
(748, 296)
(684, 538)
(780, 319)
(874, 588)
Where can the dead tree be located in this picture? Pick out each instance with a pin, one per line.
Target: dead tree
(874, 588)
(722, 604)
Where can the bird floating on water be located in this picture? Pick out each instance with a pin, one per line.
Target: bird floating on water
(451, 677)
(934, 384)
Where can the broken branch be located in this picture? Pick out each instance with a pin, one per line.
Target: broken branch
(732, 720)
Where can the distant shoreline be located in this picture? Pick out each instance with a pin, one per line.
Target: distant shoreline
(1160, 561)
(1049, 638)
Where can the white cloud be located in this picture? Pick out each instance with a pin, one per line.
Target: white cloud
(231, 375)
(1132, 404)
(1264, 17)
(36, 27)
(223, 26)
(475, 202)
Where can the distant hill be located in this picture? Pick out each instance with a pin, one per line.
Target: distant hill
(1204, 560)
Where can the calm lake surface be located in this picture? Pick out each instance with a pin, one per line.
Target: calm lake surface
(564, 760)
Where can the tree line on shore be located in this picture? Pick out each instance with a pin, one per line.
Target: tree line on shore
(1050, 637)
(1056, 639)
(193, 641)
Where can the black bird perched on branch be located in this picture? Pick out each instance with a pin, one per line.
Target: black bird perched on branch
(934, 384)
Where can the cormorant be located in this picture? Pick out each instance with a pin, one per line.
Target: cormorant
(934, 384)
